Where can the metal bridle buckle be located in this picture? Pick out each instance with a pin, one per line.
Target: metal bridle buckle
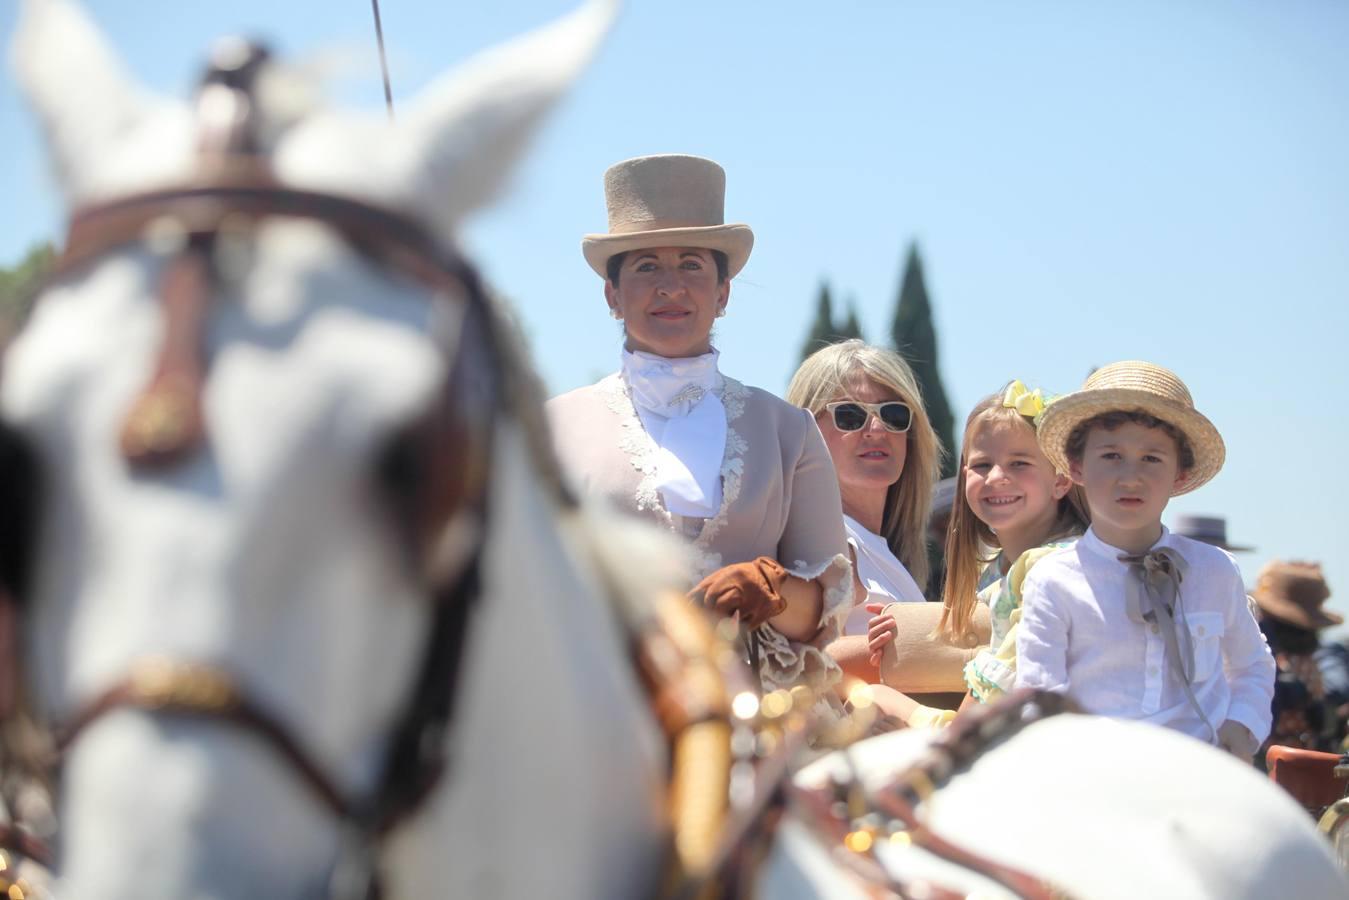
(162, 683)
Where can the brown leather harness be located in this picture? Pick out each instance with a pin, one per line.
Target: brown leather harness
(848, 815)
(435, 471)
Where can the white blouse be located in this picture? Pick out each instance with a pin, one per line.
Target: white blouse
(881, 573)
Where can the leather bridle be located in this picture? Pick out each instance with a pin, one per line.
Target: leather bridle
(436, 470)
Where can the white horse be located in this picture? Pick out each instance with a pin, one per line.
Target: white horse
(1075, 806)
(219, 557)
(260, 553)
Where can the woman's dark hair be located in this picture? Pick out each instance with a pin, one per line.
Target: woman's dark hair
(1285, 637)
(615, 265)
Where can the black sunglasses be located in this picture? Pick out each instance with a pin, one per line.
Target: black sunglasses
(852, 415)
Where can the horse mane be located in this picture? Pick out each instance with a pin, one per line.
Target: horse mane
(635, 563)
(25, 750)
(19, 496)
(524, 396)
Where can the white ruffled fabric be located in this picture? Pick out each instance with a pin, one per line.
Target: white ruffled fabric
(784, 662)
(677, 402)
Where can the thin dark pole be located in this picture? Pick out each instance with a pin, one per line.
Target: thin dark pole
(383, 61)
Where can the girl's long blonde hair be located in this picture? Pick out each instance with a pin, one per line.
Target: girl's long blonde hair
(969, 539)
(828, 375)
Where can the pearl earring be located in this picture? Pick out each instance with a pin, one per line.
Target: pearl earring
(721, 311)
(618, 316)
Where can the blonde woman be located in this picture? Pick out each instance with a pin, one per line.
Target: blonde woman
(869, 407)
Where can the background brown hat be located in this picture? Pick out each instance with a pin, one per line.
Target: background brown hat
(669, 200)
(1294, 592)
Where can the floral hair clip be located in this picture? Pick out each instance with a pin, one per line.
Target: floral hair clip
(1028, 403)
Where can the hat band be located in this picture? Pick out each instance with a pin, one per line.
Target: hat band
(658, 225)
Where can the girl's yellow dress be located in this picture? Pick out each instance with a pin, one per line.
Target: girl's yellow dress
(992, 672)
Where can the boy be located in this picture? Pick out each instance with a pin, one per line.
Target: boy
(1134, 621)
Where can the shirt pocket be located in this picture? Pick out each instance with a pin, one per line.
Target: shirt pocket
(1206, 636)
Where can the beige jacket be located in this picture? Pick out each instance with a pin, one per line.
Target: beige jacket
(779, 499)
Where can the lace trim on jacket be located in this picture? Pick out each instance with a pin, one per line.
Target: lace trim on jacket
(643, 453)
(783, 662)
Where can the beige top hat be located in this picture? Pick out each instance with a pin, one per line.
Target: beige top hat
(1126, 387)
(1294, 592)
(667, 201)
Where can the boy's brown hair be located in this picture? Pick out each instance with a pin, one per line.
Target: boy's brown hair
(1077, 438)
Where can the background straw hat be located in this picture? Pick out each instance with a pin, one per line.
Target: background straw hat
(667, 201)
(1294, 592)
(1129, 386)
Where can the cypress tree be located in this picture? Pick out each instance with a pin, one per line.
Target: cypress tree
(851, 328)
(19, 284)
(914, 336)
(822, 329)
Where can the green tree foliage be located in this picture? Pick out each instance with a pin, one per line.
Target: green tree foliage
(851, 327)
(19, 283)
(824, 330)
(914, 335)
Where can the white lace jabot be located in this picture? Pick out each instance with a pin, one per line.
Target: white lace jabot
(677, 401)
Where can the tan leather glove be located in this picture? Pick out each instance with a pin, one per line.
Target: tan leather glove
(753, 589)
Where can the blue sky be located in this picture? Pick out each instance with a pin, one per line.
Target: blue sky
(1087, 183)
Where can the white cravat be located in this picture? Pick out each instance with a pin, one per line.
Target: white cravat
(677, 402)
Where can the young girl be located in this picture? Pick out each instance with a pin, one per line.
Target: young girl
(1014, 503)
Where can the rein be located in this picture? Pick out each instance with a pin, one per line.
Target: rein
(436, 470)
(847, 814)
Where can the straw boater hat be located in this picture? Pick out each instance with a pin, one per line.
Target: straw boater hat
(1209, 529)
(1294, 592)
(667, 201)
(1126, 387)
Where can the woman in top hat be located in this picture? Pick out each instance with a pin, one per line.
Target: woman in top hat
(739, 473)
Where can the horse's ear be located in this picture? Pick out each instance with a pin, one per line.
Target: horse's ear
(461, 136)
(82, 95)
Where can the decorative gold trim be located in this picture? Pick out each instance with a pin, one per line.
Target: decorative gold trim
(1335, 816)
(919, 782)
(12, 885)
(160, 683)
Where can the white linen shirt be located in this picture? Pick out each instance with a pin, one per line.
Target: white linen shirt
(1076, 637)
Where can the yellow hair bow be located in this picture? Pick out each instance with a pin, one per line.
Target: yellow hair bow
(1026, 402)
